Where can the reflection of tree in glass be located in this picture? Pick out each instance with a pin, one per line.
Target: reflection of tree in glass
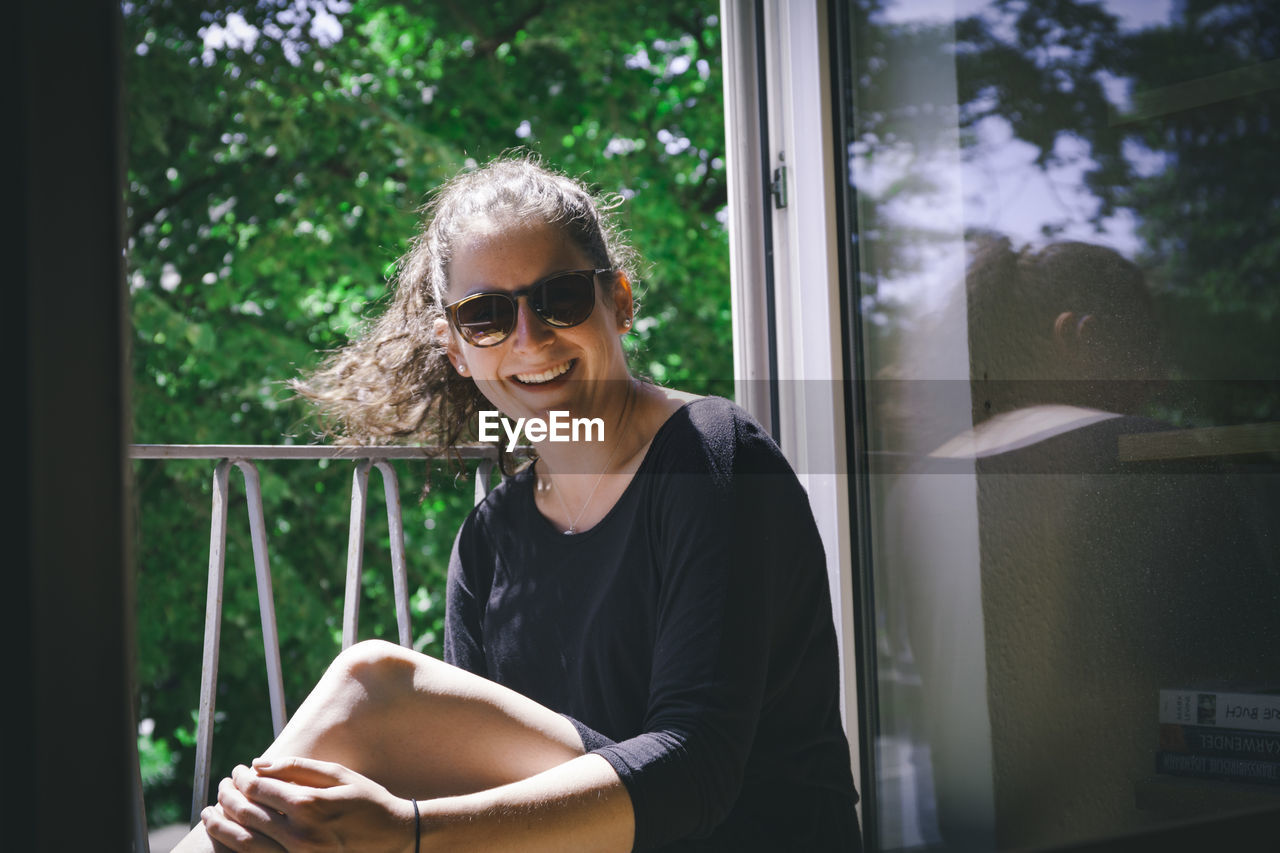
(1175, 123)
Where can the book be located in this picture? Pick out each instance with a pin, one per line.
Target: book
(1222, 743)
(1214, 767)
(1251, 711)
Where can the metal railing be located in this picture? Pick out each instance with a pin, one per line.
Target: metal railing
(244, 457)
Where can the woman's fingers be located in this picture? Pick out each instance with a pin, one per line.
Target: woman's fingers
(241, 808)
(276, 795)
(249, 814)
(310, 805)
(230, 834)
(304, 771)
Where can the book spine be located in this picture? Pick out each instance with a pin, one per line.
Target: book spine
(1212, 767)
(1259, 712)
(1223, 743)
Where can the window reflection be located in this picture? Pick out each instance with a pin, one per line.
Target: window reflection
(1067, 253)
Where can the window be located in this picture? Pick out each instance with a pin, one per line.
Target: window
(1064, 265)
(1021, 264)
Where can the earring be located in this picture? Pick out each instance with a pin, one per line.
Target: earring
(462, 368)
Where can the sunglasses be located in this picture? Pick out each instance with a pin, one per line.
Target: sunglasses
(561, 300)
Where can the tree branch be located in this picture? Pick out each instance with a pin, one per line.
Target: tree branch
(486, 45)
(186, 191)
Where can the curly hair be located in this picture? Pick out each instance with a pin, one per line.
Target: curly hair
(394, 381)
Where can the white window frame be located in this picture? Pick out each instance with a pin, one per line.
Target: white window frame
(809, 374)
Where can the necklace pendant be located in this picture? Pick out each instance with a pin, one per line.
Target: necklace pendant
(570, 532)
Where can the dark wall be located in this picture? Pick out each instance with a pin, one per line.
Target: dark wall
(68, 753)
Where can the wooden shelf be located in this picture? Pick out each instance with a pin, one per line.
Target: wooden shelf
(1202, 443)
(1187, 796)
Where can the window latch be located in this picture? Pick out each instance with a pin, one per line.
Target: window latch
(778, 186)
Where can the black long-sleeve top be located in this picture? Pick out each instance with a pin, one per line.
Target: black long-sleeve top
(688, 636)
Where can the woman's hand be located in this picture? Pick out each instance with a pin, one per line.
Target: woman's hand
(301, 804)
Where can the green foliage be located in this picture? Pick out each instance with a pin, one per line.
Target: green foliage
(155, 759)
(278, 154)
(158, 765)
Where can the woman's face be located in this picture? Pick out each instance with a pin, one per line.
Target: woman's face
(539, 368)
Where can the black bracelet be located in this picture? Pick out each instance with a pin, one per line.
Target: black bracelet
(417, 828)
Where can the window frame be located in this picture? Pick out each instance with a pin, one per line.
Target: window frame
(786, 67)
(796, 227)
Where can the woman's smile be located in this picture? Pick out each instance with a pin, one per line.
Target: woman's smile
(544, 377)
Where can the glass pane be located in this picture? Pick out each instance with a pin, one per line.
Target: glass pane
(1065, 235)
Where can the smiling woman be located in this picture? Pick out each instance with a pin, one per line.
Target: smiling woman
(639, 652)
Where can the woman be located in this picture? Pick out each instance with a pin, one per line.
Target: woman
(639, 641)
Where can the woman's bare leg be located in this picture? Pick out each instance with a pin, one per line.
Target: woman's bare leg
(419, 727)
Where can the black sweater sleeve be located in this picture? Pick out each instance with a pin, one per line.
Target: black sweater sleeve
(463, 644)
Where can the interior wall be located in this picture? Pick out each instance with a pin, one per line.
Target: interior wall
(68, 507)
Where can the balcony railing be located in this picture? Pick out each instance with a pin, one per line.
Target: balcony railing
(245, 457)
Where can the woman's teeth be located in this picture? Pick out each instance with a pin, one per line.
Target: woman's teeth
(544, 376)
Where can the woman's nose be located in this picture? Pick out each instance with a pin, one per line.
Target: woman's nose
(530, 332)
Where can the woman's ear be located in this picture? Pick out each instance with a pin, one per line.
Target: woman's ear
(624, 305)
(443, 335)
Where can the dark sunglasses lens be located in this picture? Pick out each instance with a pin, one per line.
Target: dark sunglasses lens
(566, 300)
(485, 319)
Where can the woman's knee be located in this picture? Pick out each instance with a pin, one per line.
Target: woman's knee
(383, 671)
(369, 653)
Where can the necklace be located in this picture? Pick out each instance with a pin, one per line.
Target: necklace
(573, 523)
